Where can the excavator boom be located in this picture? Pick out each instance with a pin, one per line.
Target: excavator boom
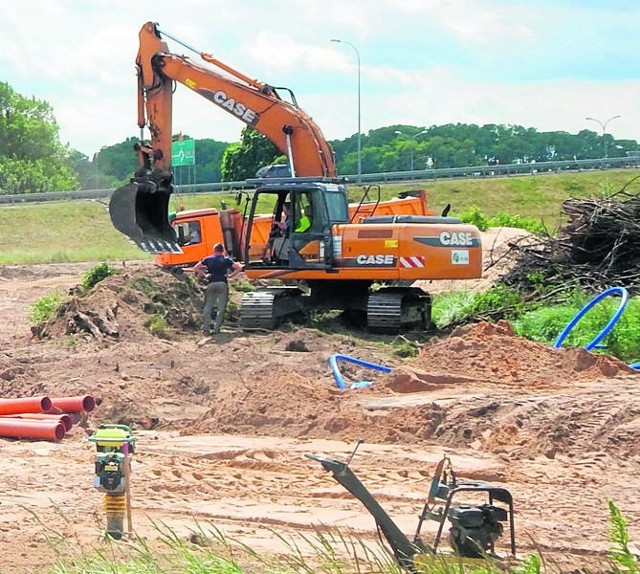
(256, 104)
(139, 209)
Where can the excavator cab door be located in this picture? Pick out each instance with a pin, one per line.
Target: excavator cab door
(306, 232)
(305, 240)
(140, 210)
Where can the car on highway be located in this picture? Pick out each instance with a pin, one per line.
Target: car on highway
(274, 170)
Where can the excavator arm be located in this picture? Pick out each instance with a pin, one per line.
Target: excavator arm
(256, 104)
(140, 209)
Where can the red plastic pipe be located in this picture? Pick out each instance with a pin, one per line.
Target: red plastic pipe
(21, 428)
(79, 404)
(26, 405)
(64, 418)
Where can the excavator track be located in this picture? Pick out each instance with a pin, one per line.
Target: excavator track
(391, 309)
(266, 308)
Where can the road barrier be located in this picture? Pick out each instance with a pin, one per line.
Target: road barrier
(368, 178)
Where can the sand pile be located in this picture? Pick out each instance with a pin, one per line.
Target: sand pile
(486, 352)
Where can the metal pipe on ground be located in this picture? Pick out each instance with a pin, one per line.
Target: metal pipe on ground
(64, 418)
(21, 428)
(25, 405)
(77, 404)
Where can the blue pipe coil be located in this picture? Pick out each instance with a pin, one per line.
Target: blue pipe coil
(607, 328)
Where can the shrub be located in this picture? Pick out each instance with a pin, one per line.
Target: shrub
(157, 325)
(46, 307)
(96, 274)
(527, 223)
(624, 560)
(243, 286)
(475, 217)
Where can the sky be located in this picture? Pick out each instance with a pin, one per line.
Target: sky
(544, 64)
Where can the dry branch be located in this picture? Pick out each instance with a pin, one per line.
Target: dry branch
(599, 247)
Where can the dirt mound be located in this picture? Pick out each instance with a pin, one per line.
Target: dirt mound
(458, 391)
(129, 305)
(579, 417)
(494, 402)
(290, 394)
(493, 352)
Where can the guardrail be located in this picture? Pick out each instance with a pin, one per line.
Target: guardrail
(385, 177)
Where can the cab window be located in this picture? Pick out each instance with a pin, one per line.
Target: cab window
(337, 207)
(189, 233)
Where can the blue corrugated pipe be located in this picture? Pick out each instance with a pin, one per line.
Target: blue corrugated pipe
(333, 362)
(595, 342)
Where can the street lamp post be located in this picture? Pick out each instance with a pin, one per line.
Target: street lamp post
(414, 137)
(604, 130)
(359, 130)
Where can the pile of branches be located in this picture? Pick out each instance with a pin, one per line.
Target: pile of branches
(598, 248)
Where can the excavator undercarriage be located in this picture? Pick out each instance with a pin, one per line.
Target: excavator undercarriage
(385, 309)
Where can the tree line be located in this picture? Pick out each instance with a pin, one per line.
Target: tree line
(32, 158)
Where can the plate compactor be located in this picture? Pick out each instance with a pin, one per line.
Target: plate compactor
(474, 527)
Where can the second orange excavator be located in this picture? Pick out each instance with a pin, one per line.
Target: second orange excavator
(361, 259)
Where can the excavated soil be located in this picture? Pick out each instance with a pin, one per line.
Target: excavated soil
(223, 423)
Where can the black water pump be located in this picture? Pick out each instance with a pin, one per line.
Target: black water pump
(474, 527)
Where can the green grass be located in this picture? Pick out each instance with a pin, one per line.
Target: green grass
(546, 323)
(532, 196)
(528, 196)
(206, 551)
(80, 230)
(61, 232)
(543, 320)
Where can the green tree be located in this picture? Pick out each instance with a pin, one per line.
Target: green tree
(209, 154)
(118, 161)
(32, 159)
(89, 176)
(242, 159)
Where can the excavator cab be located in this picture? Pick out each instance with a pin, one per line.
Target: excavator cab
(300, 236)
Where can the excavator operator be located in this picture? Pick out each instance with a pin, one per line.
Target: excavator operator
(278, 246)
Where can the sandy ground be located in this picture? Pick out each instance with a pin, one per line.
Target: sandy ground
(223, 427)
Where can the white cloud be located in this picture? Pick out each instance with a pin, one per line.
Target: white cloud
(423, 62)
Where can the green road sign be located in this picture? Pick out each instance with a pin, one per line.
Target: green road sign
(183, 153)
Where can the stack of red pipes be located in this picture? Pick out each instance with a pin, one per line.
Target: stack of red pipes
(42, 418)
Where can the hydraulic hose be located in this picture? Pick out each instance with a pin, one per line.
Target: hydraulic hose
(333, 362)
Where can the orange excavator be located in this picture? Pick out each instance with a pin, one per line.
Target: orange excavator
(359, 258)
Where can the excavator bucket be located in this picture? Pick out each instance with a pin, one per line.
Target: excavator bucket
(140, 210)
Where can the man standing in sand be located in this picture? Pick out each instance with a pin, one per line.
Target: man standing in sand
(217, 268)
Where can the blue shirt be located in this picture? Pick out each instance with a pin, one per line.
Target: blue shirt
(217, 267)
